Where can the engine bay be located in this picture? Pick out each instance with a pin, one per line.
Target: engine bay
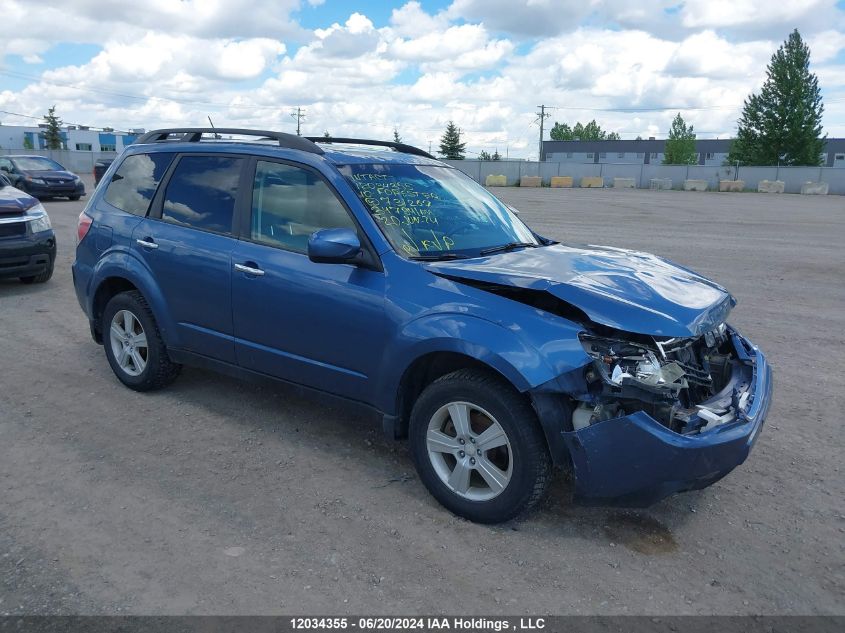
(688, 385)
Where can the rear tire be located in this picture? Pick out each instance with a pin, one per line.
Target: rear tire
(478, 447)
(133, 344)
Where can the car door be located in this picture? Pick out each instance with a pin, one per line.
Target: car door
(187, 242)
(321, 325)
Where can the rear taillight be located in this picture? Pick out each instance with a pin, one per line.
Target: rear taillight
(83, 226)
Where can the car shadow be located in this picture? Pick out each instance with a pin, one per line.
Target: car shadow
(295, 418)
(14, 287)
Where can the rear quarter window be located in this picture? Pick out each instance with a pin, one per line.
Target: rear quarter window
(134, 184)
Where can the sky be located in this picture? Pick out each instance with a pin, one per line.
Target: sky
(363, 69)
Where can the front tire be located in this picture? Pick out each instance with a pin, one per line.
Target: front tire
(478, 447)
(74, 197)
(133, 344)
(41, 277)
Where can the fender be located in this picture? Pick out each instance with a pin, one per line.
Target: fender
(494, 345)
(121, 262)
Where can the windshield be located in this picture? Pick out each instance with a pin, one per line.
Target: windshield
(37, 163)
(428, 210)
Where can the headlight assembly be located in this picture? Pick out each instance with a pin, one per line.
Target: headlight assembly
(38, 219)
(623, 363)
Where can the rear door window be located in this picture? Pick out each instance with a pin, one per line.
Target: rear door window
(134, 184)
(201, 193)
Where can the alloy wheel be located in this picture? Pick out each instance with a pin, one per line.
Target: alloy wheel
(469, 451)
(128, 342)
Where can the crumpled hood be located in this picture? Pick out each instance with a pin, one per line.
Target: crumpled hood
(14, 201)
(627, 290)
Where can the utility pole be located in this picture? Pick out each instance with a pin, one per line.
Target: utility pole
(541, 117)
(298, 114)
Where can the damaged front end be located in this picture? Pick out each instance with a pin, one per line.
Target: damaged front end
(651, 417)
(688, 385)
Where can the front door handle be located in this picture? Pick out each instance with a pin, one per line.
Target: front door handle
(147, 243)
(250, 270)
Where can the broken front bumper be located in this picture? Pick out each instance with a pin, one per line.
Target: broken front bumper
(635, 461)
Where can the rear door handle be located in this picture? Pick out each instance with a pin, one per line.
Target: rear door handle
(147, 243)
(250, 270)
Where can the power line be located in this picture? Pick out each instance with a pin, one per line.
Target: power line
(80, 125)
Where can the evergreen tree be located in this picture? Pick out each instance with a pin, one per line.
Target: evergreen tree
(27, 143)
(680, 146)
(590, 132)
(783, 123)
(451, 146)
(396, 137)
(484, 155)
(496, 155)
(326, 134)
(52, 135)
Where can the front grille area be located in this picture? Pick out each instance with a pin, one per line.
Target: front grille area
(13, 229)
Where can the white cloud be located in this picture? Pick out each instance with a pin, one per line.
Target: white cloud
(533, 18)
(733, 13)
(485, 65)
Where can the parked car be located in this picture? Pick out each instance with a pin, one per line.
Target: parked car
(100, 168)
(370, 271)
(27, 241)
(41, 177)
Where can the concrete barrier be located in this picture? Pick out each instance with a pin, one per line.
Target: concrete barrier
(770, 186)
(624, 183)
(561, 181)
(695, 185)
(814, 188)
(531, 181)
(731, 185)
(660, 184)
(592, 181)
(496, 181)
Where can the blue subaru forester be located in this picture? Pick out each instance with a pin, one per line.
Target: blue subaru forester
(370, 271)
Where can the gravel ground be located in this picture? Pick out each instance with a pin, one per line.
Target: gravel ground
(216, 496)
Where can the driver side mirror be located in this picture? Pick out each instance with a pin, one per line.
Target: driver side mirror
(6, 168)
(334, 246)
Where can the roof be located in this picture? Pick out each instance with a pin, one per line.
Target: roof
(335, 150)
(357, 154)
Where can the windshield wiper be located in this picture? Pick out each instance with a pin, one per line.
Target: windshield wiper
(437, 257)
(507, 247)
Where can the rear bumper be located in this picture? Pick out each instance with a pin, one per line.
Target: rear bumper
(636, 461)
(27, 255)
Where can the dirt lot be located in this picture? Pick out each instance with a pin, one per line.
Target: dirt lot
(216, 496)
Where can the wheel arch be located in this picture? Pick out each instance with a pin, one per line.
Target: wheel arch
(119, 273)
(108, 288)
(423, 371)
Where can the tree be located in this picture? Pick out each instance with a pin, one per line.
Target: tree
(590, 132)
(52, 135)
(27, 142)
(783, 123)
(326, 134)
(396, 137)
(496, 155)
(680, 146)
(484, 155)
(450, 143)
